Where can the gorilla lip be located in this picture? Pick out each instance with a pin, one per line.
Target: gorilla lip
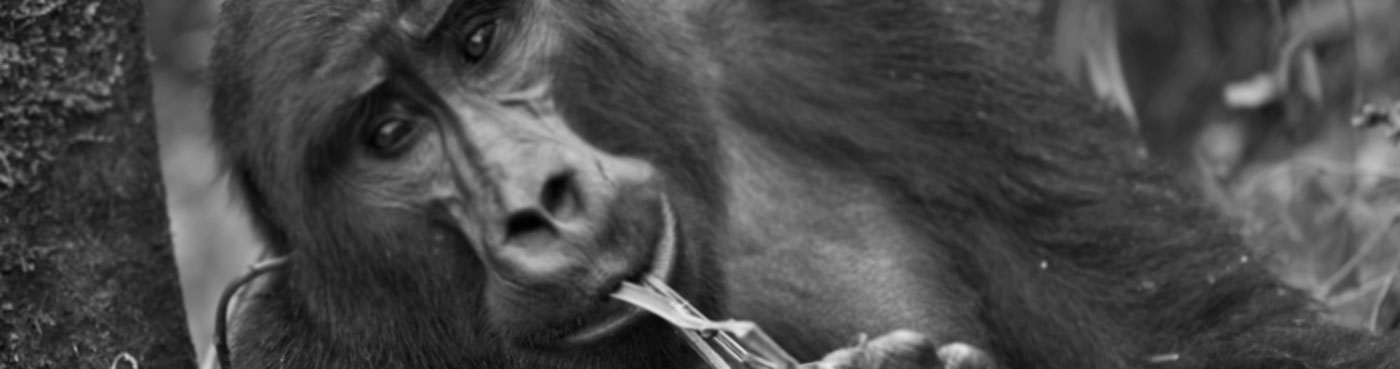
(663, 260)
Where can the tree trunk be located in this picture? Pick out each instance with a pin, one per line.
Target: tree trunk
(87, 277)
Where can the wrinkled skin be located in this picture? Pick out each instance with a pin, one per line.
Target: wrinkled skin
(461, 184)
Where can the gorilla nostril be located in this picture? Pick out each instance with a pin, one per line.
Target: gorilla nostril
(527, 223)
(559, 196)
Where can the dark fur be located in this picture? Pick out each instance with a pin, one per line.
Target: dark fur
(1081, 255)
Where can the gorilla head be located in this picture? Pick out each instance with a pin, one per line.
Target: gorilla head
(462, 184)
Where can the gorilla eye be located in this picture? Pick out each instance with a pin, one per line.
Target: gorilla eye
(479, 41)
(392, 136)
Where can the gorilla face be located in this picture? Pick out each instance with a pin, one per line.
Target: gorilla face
(471, 172)
(554, 223)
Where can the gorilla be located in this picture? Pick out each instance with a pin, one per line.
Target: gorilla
(464, 183)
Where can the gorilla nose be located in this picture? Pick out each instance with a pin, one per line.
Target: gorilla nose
(555, 202)
(544, 218)
(534, 207)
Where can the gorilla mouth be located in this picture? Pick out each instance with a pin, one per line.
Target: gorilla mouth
(662, 262)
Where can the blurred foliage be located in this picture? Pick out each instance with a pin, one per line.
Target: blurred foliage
(1330, 229)
(1086, 49)
(1255, 100)
(1381, 116)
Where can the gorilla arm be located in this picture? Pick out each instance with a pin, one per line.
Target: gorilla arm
(743, 344)
(826, 199)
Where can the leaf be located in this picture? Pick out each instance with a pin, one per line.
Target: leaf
(1086, 50)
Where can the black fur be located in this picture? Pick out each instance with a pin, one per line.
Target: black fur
(1081, 255)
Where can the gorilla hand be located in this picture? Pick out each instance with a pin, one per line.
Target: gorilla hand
(905, 350)
(901, 349)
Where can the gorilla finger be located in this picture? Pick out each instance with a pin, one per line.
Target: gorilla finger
(960, 355)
